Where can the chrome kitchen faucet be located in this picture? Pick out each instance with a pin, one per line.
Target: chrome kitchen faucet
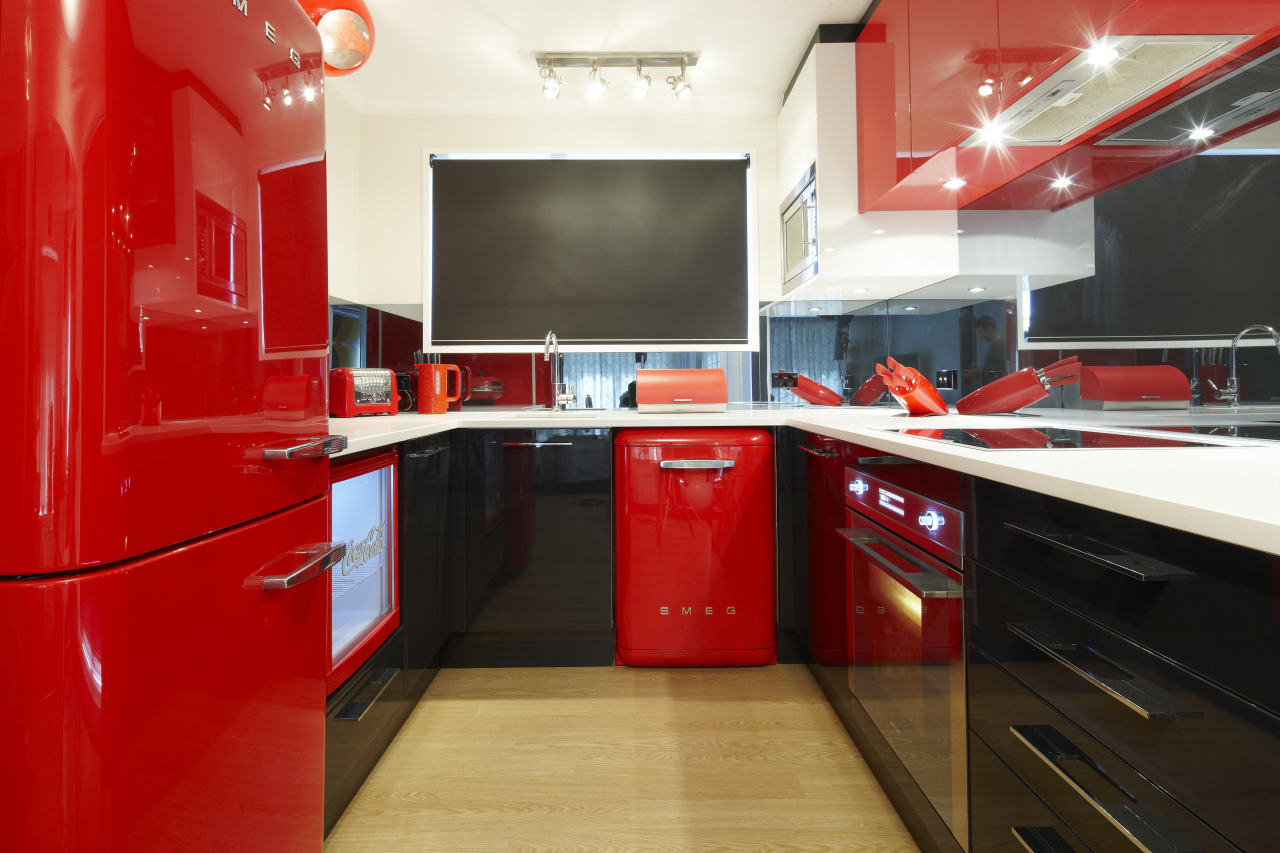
(561, 393)
(1232, 392)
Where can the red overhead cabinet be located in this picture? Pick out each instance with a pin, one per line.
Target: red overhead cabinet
(994, 100)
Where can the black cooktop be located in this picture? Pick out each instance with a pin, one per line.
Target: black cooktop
(1264, 430)
(1048, 438)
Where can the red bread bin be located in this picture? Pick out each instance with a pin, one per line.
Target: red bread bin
(694, 547)
(672, 391)
(1155, 386)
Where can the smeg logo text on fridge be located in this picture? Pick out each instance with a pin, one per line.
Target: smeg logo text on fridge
(689, 611)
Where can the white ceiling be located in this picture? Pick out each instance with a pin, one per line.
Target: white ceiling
(477, 56)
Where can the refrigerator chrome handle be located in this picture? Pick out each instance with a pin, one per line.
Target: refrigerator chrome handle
(1145, 828)
(685, 464)
(302, 564)
(308, 448)
(537, 444)
(1133, 692)
(354, 711)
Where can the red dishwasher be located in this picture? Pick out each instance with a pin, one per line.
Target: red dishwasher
(694, 547)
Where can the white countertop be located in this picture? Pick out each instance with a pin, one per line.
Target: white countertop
(1231, 493)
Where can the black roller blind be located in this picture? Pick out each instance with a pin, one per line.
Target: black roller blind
(604, 252)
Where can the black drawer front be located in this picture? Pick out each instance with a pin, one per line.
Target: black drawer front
(1221, 619)
(1213, 752)
(361, 718)
(1012, 720)
(1005, 816)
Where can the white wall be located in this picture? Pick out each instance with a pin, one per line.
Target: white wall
(342, 167)
(390, 153)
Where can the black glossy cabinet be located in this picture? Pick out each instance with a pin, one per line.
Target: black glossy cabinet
(1138, 658)
(361, 719)
(537, 582)
(427, 552)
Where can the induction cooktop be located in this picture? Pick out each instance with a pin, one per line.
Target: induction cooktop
(1049, 438)
(1264, 430)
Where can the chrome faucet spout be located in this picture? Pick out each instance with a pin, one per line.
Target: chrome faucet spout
(561, 394)
(1232, 392)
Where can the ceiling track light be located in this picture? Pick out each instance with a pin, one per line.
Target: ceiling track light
(596, 84)
(551, 66)
(551, 81)
(680, 85)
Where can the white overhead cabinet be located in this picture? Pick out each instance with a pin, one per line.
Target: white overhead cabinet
(860, 256)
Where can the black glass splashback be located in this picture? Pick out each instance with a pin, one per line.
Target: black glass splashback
(1188, 252)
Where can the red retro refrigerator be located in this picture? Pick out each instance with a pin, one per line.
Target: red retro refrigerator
(694, 552)
(162, 280)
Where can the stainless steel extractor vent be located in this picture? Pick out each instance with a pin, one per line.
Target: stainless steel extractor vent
(1086, 92)
(1246, 94)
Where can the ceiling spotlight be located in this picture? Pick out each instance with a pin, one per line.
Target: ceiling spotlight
(643, 82)
(987, 88)
(680, 85)
(859, 290)
(286, 97)
(1201, 133)
(817, 309)
(1025, 80)
(309, 93)
(551, 81)
(1061, 183)
(878, 231)
(977, 289)
(596, 85)
(991, 133)
(909, 308)
(1103, 54)
(954, 183)
(267, 95)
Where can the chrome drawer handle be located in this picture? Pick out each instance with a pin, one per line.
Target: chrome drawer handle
(354, 711)
(307, 448)
(537, 444)
(818, 451)
(1133, 692)
(302, 564)
(425, 454)
(931, 583)
(686, 464)
(1041, 839)
(1131, 565)
(1142, 825)
(887, 460)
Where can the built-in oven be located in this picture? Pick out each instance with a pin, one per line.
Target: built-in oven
(905, 624)
(800, 233)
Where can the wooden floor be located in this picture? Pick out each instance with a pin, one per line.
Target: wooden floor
(616, 758)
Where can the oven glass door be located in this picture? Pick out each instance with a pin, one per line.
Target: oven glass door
(907, 660)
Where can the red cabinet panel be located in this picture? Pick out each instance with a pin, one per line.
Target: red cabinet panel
(884, 102)
(1034, 35)
(169, 703)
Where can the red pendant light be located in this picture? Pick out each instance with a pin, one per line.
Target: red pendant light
(346, 29)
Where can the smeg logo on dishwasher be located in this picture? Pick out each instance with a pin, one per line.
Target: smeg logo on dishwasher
(691, 611)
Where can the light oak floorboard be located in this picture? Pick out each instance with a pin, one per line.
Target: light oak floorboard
(575, 759)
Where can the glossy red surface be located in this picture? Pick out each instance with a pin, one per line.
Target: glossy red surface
(338, 671)
(1023, 41)
(342, 396)
(1136, 382)
(673, 387)
(891, 622)
(167, 704)
(694, 550)
(812, 392)
(157, 330)
(828, 569)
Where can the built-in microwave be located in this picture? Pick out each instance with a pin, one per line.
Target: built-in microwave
(800, 233)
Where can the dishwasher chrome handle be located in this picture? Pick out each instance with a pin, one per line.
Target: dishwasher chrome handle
(930, 583)
(823, 452)
(1133, 692)
(1142, 825)
(686, 464)
(538, 443)
(354, 711)
(1121, 560)
(302, 564)
(307, 448)
(1040, 839)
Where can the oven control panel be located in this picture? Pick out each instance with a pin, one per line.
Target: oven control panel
(931, 524)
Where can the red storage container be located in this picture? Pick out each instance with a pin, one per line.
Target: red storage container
(694, 547)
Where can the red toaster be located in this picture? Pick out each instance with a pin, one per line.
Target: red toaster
(362, 391)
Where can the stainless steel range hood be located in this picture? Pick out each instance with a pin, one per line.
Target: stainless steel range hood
(1099, 83)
